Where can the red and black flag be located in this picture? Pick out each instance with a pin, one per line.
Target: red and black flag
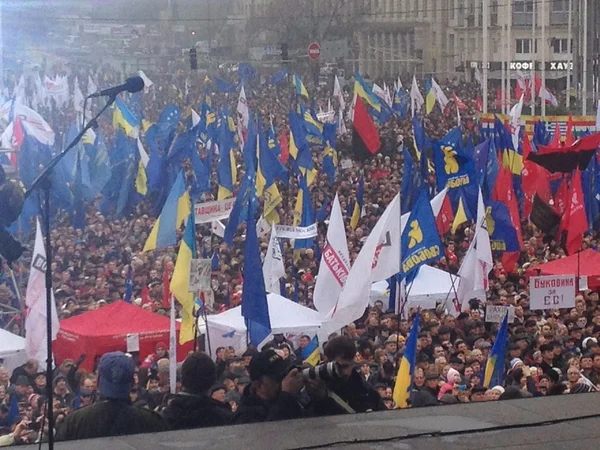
(365, 137)
(569, 158)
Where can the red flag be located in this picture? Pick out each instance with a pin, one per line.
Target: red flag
(145, 294)
(479, 104)
(575, 219)
(569, 138)
(365, 137)
(284, 145)
(445, 217)
(166, 297)
(510, 260)
(18, 136)
(458, 102)
(556, 138)
(534, 180)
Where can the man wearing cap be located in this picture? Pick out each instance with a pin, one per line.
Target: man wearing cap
(193, 407)
(113, 415)
(271, 393)
(428, 394)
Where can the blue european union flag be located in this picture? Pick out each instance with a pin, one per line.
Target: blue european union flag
(279, 77)
(224, 86)
(246, 71)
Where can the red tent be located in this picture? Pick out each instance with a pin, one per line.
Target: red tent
(105, 330)
(584, 264)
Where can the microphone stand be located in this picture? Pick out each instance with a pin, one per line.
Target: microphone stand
(44, 183)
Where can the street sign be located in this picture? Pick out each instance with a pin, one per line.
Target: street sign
(314, 51)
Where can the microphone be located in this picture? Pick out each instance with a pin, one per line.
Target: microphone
(132, 85)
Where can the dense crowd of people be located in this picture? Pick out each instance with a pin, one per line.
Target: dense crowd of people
(549, 353)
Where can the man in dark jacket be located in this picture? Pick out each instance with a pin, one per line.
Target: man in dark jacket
(113, 415)
(192, 407)
(271, 394)
(427, 395)
(349, 386)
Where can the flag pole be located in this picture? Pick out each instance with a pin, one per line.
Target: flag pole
(486, 50)
(543, 88)
(172, 349)
(205, 317)
(570, 52)
(533, 57)
(585, 59)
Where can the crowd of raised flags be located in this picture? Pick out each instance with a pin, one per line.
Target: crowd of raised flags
(488, 183)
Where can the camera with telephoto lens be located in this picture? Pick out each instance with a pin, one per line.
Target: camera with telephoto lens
(326, 372)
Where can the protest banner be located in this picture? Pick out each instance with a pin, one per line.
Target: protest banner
(200, 275)
(496, 313)
(290, 232)
(552, 292)
(210, 211)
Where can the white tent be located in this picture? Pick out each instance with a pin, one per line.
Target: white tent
(12, 350)
(228, 328)
(431, 285)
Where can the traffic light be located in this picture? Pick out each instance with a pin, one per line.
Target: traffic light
(284, 52)
(193, 59)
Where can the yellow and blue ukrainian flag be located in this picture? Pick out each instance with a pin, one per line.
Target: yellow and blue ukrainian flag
(358, 204)
(429, 95)
(311, 354)
(180, 283)
(494, 368)
(300, 88)
(125, 119)
(177, 208)
(406, 369)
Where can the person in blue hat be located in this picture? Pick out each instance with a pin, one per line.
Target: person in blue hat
(113, 415)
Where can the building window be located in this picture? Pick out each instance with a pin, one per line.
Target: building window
(494, 14)
(524, 46)
(560, 45)
(560, 5)
(523, 6)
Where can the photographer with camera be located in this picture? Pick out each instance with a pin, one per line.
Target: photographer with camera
(350, 392)
(271, 395)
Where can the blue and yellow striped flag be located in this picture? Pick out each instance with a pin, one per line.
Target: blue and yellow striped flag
(407, 368)
(358, 204)
(311, 354)
(429, 95)
(180, 283)
(141, 180)
(125, 119)
(300, 88)
(177, 208)
(494, 368)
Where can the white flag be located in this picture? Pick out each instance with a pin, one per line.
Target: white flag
(262, 227)
(195, 118)
(36, 345)
(335, 263)
(478, 262)
(58, 89)
(78, 99)
(217, 228)
(33, 123)
(515, 121)
(398, 83)
(40, 92)
(598, 118)
(378, 260)
(416, 98)
(243, 114)
(548, 96)
(273, 268)
(92, 88)
(337, 93)
(440, 95)
(147, 81)
(478, 77)
(341, 129)
(19, 92)
(142, 151)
